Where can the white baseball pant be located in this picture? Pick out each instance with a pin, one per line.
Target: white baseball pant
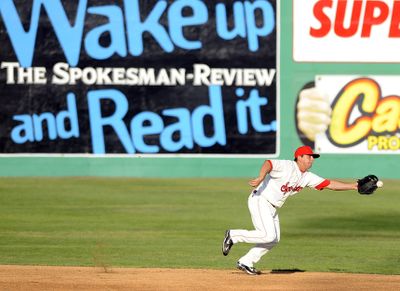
(266, 233)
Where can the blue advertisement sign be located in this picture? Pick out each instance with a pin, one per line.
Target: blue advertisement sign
(129, 76)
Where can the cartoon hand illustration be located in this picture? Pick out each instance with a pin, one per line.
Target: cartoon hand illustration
(313, 112)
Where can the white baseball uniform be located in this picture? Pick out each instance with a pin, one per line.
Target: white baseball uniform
(285, 179)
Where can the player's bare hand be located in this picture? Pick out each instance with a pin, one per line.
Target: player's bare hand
(255, 182)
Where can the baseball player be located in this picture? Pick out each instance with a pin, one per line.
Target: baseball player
(278, 179)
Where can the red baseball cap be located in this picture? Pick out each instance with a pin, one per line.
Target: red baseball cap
(305, 150)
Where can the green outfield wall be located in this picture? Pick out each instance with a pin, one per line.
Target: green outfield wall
(329, 166)
(361, 135)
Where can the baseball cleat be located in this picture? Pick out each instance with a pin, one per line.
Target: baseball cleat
(247, 269)
(227, 243)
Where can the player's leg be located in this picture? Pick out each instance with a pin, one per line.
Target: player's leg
(262, 216)
(255, 253)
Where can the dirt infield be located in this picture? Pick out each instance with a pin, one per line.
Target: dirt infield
(77, 278)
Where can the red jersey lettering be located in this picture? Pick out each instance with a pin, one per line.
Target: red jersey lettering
(286, 188)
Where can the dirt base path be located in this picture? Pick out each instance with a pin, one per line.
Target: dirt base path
(77, 278)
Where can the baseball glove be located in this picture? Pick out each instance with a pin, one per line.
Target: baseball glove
(367, 185)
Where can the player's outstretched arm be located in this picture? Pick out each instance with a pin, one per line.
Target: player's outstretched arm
(265, 169)
(338, 186)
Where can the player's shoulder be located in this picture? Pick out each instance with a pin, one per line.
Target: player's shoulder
(283, 163)
(280, 161)
(311, 175)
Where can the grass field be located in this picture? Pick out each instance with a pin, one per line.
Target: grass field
(180, 223)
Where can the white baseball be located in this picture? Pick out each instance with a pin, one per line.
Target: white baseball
(379, 184)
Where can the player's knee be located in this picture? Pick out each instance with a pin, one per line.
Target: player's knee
(267, 239)
(275, 241)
